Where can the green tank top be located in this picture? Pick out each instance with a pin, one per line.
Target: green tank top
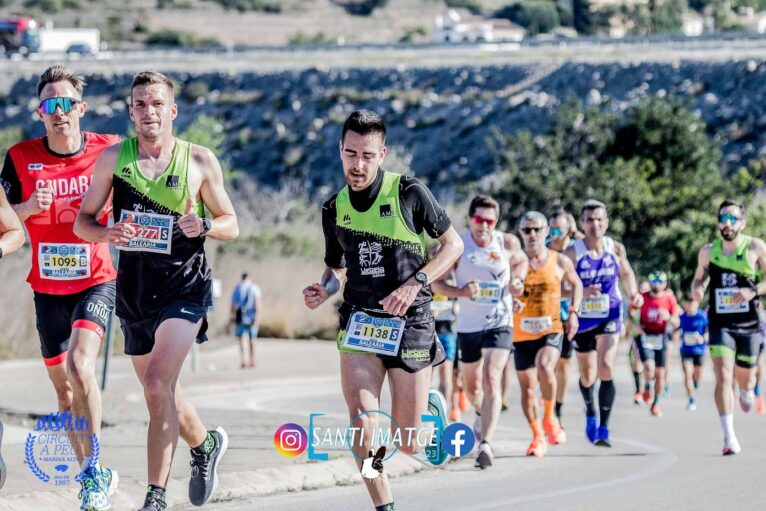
(728, 272)
(380, 250)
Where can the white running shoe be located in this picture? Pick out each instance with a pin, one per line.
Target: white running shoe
(731, 447)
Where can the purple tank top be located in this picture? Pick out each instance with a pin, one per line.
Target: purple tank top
(605, 271)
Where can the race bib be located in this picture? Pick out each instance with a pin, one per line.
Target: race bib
(653, 341)
(374, 335)
(724, 302)
(64, 261)
(536, 325)
(154, 233)
(489, 292)
(597, 307)
(692, 339)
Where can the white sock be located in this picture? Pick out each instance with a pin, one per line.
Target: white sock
(727, 423)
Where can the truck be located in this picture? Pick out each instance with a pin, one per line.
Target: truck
(25, 35)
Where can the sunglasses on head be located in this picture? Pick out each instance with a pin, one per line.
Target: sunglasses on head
(728, 218)
(49, 106)
(528, 230)
(481, 220)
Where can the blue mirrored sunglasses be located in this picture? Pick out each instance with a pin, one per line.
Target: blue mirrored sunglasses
(726, 217)
(48, 106)
(556, 233)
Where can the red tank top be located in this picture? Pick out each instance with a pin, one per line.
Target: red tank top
(62, 263)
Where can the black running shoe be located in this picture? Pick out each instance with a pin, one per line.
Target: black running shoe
(154, 502)
(204, 469)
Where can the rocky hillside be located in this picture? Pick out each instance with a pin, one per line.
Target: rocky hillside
(285, 126)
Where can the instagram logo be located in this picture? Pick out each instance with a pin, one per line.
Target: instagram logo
(290, 440)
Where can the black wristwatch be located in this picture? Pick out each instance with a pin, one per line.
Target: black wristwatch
(206, 226)
(422, 278)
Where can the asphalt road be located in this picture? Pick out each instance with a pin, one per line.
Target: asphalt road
(672, 463)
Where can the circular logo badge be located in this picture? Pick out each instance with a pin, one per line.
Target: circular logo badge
(458, 439)
(290, 440)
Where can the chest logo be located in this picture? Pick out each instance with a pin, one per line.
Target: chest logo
(35, 166)
(125, 171)
(385, 210)
(346, 219)
(729, 279)
(370, 255)
(172, 182)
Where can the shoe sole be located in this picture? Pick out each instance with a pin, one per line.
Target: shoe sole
(602, 443)
(224, 446)
(730, 452)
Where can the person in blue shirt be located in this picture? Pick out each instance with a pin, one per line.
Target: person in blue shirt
(693, 345)
(246, 315)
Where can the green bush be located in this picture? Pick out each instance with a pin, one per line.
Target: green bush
(537, 16)
(317, 38)
(473, 6)
(168, 37)
(251, 5)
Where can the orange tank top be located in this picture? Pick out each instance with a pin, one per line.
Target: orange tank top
(542, 302)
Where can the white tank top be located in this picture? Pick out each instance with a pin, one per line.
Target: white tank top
(491, 267)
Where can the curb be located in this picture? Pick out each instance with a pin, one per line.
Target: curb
(232, 485)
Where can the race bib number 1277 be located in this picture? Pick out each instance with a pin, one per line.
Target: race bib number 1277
(154, 233)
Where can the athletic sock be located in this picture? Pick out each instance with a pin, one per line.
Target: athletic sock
(587, 395)
(727, 423)
(606, 392)
(157, 490)
(648, 385)
(637, 380)
(696, 384)
(386, 507)
(207, 446)
(558, 409)
(757, 390)
(548, 410)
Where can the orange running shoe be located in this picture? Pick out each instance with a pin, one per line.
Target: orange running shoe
(538, 447)
(454, 415)
(759, 405)
(553, 431)
(464, 404)
(648, 399)
(655, 410)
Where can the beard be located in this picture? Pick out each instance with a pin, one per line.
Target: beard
(730, 235)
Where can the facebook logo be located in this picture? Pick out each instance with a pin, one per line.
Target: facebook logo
(458, 439)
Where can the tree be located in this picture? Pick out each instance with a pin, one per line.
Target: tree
(537, 16)
(583, 18)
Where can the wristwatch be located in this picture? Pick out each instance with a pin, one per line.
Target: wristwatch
(206, 226)
(422, 278)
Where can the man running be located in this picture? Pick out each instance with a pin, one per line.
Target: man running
(538, 330)
(491, 270)
(600, 262)
(693, 344)
(659, 317)
(246, 316)
(73, 280)
(162, 186)
(374, 238)
(733, 266)
(561, 231)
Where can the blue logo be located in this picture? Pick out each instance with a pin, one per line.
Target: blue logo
(48, 448)
(458, 439)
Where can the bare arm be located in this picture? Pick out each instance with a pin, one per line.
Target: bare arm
(317, 293)
(760, 250)
(11, 232)
(519, 264)
(627, 275)
(224, 222)
(701, 274)
(86, 225)
(570, 275)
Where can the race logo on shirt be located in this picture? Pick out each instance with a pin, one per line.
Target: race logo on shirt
(35, 166)
(385, 210)
(346, 219)
(729, 279)
(172, 182)
(370, 254)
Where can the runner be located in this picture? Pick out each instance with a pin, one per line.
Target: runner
(659, 317)
(633, 333)
(246, 316)
(374, 237)
(73, 280)
(444, 309)
(600, 262)
(733, 266)
(538, 330)
(491, 270)
(561, 236)
(693, 345)
(162, 186)
(11, 232)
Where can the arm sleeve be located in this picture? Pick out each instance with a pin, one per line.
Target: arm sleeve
(420, 209)
(333, 250)
(9, 180)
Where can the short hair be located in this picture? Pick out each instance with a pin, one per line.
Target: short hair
(150, 78)
(560, 212)
(592, 204)
(483, 201)
(531, 216)
(245, 276)
(364, 122)
(59, 73)
(729, 202)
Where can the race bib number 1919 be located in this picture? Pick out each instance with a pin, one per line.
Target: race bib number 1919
(597, 307)
(154, 233)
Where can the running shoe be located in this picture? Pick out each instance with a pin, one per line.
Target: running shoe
(648, 398)
(731, 447)
(204, 469)
(602, 437)
(637, 398)
(760, 408)
(108, 479)
(3, 471)
(504, 406)
(692, 405)
(477, 428)
(538, 447)
(464, 404)
(591, 427)
(154, 502)
(93, 497)
(437, 407)
(655, 410)
(554, 432)
(746, 401)
(454, 415)
(484, 457)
